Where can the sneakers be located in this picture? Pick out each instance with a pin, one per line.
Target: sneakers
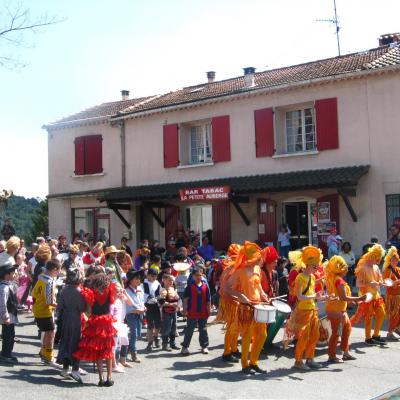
(75, 375)
(185, 351)
(335, 360)
(301, 366)
(257, 369)
(135, 358)
(7, 360)
(379, 340)
(370, 342)
(312, 364)
(174, 347)
(248, 371)
(123, 362)
(52, 363)
(165, 347)
(108, 383)
(82, 371)
(230, 358)
(65, 374)
(204, 350)
(119, 369)
(149, 347)
(237, 354)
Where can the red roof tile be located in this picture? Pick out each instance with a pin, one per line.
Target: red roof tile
(381, 57)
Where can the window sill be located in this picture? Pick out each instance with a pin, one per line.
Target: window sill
(209, 164)
(88, 175)
(300, 153)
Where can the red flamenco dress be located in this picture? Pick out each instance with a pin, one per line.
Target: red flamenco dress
(97, 339)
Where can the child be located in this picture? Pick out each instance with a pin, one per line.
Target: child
(44, 304)
(197, 308)
(97, 339)
(169, 303)
(134, 313)
(23, 281)
(156, 263)
(118, 310)
(152, 288)
(8, 312)
(71, 306)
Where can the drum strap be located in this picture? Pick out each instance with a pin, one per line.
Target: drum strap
(307, 287)
(396, 274)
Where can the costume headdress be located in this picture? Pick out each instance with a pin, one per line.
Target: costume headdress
(250, 252)
(335, 266)
(295, 258)
(311, 255)
(391, 253)
(374, 254)
(270, 254)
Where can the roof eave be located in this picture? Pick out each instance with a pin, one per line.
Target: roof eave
(254, 92)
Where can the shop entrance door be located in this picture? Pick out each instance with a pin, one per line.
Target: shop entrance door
(103, 228)
(296, 216)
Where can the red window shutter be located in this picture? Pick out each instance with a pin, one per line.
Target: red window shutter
(93, 154)
(171, 221)
(333, 200)
(221, 141)
(79, 155)
(327, 124)
(221, 223)
(171, 146)
(264, 127)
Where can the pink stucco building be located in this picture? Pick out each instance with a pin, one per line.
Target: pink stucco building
(312, 145)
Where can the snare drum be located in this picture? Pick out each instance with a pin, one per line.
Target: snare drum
(282, 312)
(264, 314)
(281, 307)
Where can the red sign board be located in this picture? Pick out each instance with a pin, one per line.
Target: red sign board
(205, 194)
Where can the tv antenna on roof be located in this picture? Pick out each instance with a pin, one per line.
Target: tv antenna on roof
(334, 21)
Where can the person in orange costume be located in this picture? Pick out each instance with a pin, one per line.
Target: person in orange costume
(336, 308)
(245, 285)
(392, 271)
(227, 310)
(369, 278)
(303, 323)
(295, 258)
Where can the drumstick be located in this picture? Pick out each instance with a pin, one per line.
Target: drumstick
(278, 297)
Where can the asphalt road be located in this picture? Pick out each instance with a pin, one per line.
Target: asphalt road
(170, 376)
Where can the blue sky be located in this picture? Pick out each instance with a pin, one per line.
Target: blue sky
(154, 46)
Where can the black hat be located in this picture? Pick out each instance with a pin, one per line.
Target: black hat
(132, 274)
(152, 271)
(7, 268)
(165, 265)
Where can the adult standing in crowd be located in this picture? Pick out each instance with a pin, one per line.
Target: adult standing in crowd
(284, 240)
(206, 250)
(12, 246)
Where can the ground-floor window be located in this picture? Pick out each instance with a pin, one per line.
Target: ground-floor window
(392, 208)
(91, 223)
(199, 220)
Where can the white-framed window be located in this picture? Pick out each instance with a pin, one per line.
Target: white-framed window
(300, 130)
(200, 144)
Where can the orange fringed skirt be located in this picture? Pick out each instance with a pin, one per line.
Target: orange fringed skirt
(392, 305)
(366, 310)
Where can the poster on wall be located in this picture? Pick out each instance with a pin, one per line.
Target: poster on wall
(324, 211)
(324, 228)
(261, 229)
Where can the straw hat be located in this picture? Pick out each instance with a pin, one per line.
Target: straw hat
(181, 267)
(112, 249)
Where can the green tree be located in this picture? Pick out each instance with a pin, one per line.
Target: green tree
(40, 221)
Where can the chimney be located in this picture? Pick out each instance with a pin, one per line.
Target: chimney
(389, 38)
(125, 95)
(211, 76)
(249, 76)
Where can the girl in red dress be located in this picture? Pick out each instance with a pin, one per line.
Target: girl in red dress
(97, 339)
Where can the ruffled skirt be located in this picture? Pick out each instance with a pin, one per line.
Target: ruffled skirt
(97, 339)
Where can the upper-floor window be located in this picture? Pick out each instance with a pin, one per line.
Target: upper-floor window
(88, 155)
(200, 144)
(300, 130)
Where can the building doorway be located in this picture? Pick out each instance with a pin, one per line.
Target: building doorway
(199, 220)
(296, 215)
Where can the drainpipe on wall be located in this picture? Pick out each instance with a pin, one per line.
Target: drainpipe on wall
(123, 154)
